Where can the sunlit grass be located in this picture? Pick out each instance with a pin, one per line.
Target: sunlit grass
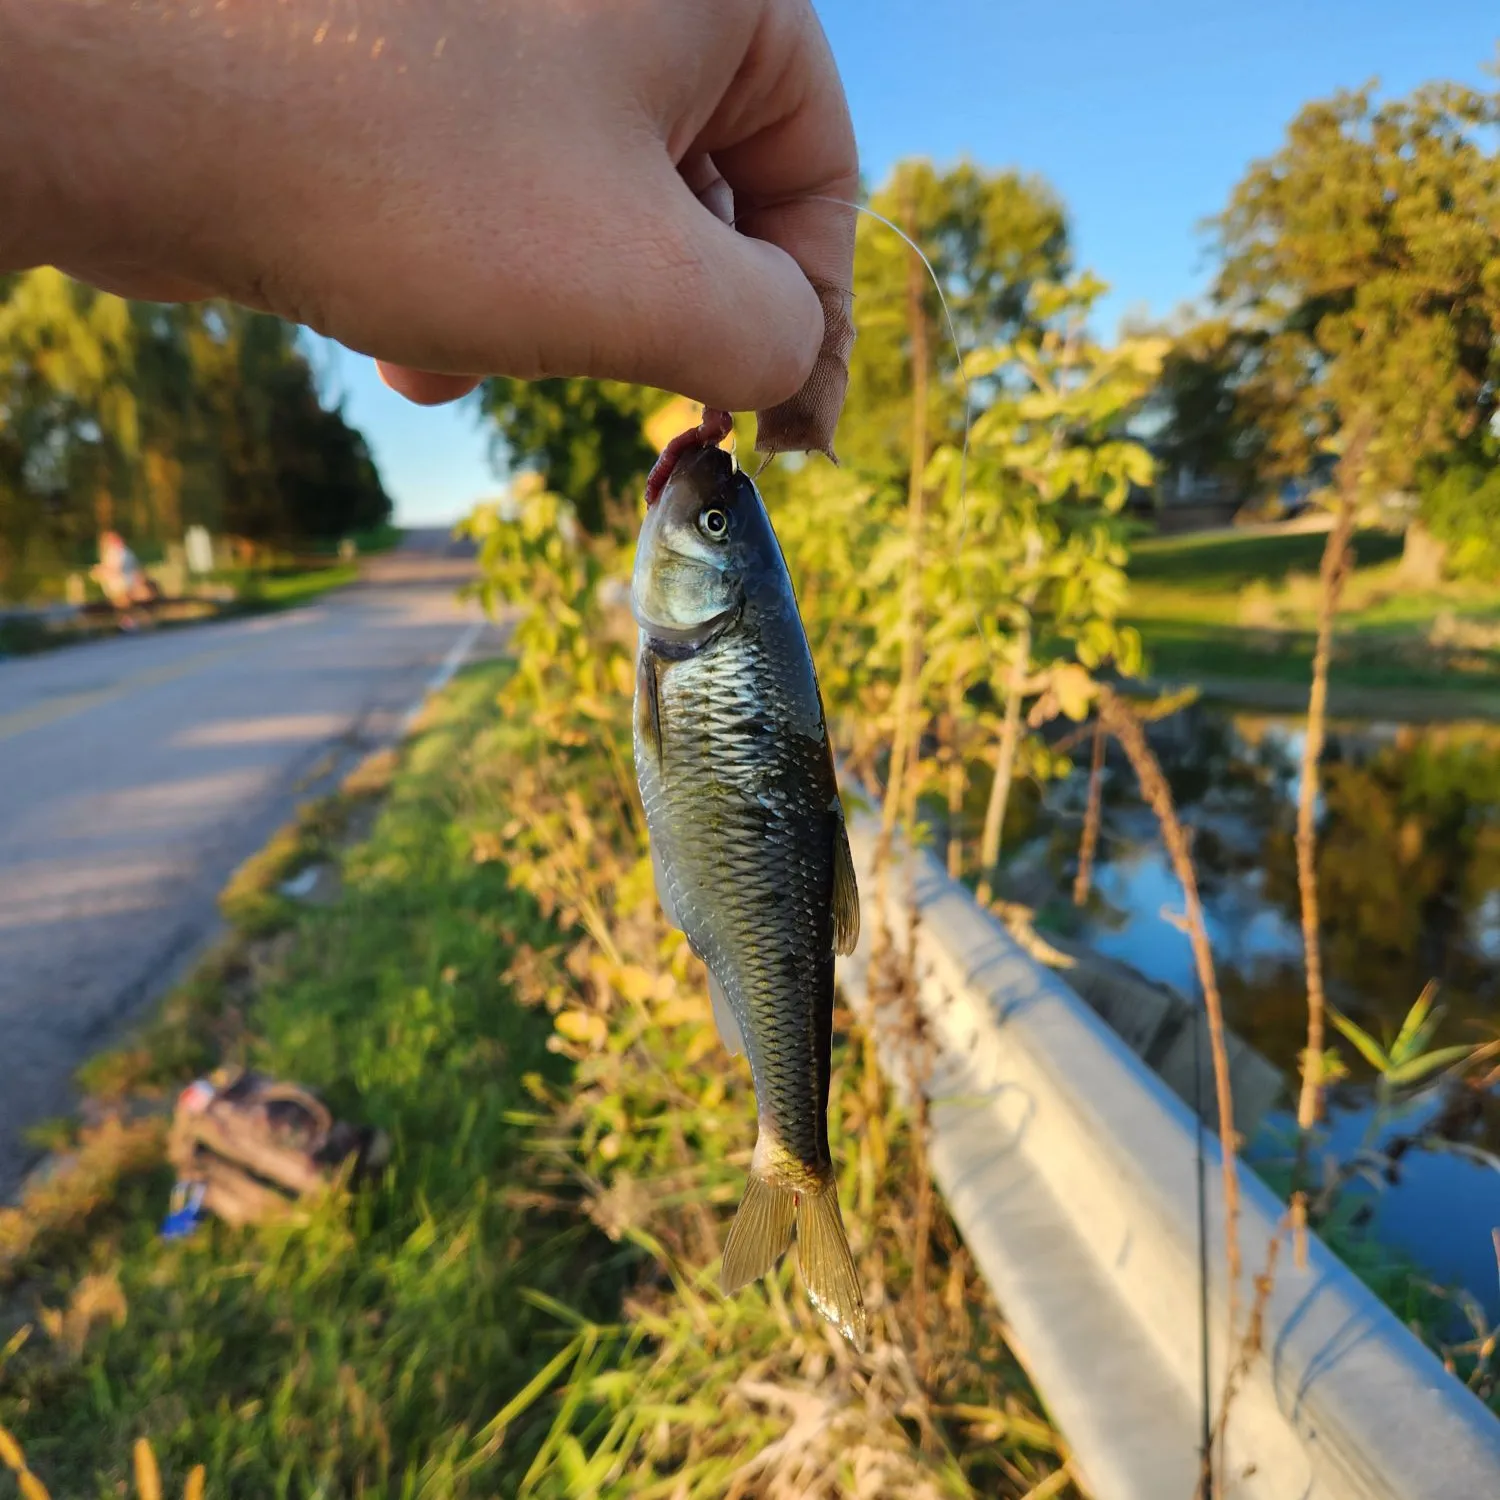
(287, 588)
(361, 1350)
(1227, 607)
(525, 1305)
(1226, 559)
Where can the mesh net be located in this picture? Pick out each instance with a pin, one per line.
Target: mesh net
(807, 422)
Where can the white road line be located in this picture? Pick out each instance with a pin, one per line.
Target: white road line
(458, 654)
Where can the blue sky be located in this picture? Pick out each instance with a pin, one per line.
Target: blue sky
(1142, 117)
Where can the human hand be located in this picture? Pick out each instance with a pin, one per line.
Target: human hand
(457, 187)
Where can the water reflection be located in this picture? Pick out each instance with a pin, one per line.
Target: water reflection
(1409, 884)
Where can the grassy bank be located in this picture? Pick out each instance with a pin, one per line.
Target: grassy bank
(255, 592)
(361, 1350)
(525, 1303)
(286, 588)
(1224, 608)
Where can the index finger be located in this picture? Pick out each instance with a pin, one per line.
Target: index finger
(784, 142)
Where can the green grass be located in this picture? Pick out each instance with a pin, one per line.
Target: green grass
(285, 589)
(1223, 560)
(1225, 609)
(1365, 656)
(525, 1304)
(362, 1351)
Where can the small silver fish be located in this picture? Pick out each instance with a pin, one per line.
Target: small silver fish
(747, 836)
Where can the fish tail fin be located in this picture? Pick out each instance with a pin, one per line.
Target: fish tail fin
(826, 1263)
(760, 1234)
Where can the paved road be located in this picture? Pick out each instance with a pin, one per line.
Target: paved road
(136, 773)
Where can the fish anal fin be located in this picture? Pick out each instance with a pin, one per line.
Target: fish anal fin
(724, 1018)
(826, 1263)
(845, 890)
(760, 1234)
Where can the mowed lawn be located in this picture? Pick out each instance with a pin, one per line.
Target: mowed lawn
(1222, 606)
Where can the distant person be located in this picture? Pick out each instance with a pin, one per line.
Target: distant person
(513, 187)
(122, 579)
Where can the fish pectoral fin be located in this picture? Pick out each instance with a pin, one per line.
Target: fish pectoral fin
(845, 890)
(729, 1028)
(760, 1234)
(664, 889)
(827, 1265)
(648, 702)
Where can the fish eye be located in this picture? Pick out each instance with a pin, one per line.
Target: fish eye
(714, 523)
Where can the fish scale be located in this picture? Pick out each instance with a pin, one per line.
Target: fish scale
(741, 802)
(748, 900)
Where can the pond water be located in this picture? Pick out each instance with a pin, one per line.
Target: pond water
(1409, 882)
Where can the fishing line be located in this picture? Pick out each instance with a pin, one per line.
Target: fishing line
(963, 374)
(963, 379)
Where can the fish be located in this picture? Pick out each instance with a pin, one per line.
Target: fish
(748, 841)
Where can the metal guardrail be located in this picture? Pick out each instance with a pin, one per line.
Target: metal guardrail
(1072, 1173)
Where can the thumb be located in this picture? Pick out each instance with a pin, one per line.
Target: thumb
(712, 314)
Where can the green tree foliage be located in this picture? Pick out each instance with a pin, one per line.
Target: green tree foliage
(151, 418)
(583, 437)
(290, 468)
(1199, 421)
(1362, 262)
(1461, 506)
(991, 238)
(69, 420)
(324, 473)
(1022, 561)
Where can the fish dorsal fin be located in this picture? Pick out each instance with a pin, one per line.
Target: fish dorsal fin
(729, 1028)
(845, 888)
(664, 889)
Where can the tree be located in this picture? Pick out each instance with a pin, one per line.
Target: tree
(1021, 560)
(327, 480)
(1461, 507)
(991, 238)
(1042, 537)
(939, 593)
(152, 418)
(69, 411)
(1362, 264)
(70, 355)
(1197, 417)
(583, 437)
(1363, 260)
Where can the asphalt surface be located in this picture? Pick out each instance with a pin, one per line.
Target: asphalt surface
(137, 773)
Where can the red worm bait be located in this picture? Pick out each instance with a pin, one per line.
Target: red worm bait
(709, 433)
